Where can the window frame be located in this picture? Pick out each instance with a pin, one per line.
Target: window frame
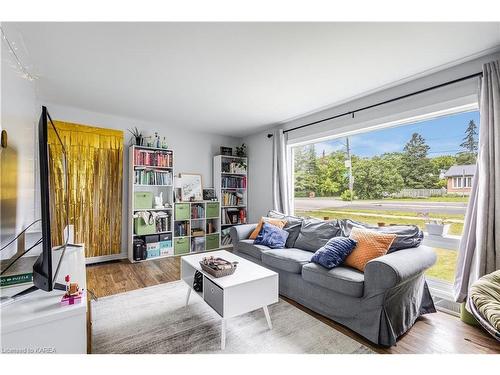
(437, 287)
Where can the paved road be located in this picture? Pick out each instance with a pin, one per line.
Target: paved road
(445, 208)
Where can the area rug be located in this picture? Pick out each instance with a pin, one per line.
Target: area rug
(155, 320)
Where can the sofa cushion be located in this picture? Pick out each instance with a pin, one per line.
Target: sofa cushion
(315, 233)
(290, 260)
(280, 223)
(247, 247)
(407, 236)
(341, 279)
(293, 225)
(334, 252)
(271, 236)
(370, 245)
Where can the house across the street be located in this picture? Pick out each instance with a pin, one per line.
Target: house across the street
(459, 178)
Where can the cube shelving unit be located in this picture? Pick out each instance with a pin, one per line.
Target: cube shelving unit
(135, 186)
(196, 227)
(230, 183)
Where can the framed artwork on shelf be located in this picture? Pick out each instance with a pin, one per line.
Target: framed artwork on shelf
(209, 194)
(191, 187)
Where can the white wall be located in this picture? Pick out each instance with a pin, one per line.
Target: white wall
(18, 117)
(193, 150)
(260, 147)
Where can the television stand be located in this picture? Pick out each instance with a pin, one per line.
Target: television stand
(38, 323)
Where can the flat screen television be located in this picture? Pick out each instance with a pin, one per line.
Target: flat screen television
(44, 277)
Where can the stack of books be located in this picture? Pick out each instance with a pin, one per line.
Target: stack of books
(153, 158)
(234, 182)
(145, 176)
(232, 199)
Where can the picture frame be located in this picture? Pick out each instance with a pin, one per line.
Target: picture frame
(191, 187)
(209, 194)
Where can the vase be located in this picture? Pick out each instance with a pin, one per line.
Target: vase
(138, 141)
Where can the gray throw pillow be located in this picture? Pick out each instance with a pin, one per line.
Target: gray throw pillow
(407, 236)
(315, 233)
(293, 225)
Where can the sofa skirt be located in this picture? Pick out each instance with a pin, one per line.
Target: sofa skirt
(380, 317)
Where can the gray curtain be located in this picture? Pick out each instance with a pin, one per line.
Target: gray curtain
(281, 183)
(479, 252)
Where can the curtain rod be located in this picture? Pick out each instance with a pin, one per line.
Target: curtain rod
(480, 74)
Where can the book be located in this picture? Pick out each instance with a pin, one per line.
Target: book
(19, 273)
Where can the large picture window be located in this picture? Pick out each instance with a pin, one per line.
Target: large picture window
(415, 173)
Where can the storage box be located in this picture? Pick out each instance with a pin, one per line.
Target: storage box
(165, 237)
(153, 250)
(165, 244)
(143, 200)
(167, 251)
(141, 227)
(181, 245)
(152, 238)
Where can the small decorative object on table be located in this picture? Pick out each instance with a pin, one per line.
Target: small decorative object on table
(228, 151)
(73, 293)
(218, 267)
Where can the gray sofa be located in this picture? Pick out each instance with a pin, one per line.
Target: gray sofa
(380, 304)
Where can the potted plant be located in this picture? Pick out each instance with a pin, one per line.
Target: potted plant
(137, 135)
(435, 227)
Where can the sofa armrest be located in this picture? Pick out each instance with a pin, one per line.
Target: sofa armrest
(241, 232)
(393, 269)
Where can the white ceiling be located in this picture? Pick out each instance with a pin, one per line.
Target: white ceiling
(234, 78)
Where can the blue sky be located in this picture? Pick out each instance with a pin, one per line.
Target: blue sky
(443, 135)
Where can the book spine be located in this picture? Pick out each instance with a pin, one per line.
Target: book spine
(11, 280)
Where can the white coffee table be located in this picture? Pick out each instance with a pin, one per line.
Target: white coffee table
(251, 287)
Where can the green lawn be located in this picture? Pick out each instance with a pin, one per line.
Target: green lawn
(444, 269)
(455, 228)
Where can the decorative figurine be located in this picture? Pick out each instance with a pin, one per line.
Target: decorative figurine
(159, 201)
(73, 293)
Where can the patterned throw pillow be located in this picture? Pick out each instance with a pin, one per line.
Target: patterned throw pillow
(370, 245)
(280, 223)
(271, 236)
(334, 252)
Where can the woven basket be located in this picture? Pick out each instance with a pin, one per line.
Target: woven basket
(219, 273)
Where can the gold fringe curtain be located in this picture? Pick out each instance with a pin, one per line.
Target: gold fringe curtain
(95, 166)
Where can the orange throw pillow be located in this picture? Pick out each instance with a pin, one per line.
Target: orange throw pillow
(370, 245)
(276, 222)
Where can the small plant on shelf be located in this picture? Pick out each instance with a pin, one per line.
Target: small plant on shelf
(241, 151)
(137, 135)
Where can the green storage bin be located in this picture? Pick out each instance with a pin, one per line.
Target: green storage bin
(182, 211)
(142, 228)
(212, 209)
(181, 245)
(143, 200)
(212, 241)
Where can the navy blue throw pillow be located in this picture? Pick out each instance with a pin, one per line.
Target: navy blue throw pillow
(271, 236)
(334, 252)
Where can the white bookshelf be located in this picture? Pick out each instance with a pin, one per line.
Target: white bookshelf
(231, 187)
(196, 227)
(155, 189)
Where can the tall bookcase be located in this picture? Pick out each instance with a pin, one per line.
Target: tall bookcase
(151, 171)
(230, 183)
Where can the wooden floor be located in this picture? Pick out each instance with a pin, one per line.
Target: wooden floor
(432, 333)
